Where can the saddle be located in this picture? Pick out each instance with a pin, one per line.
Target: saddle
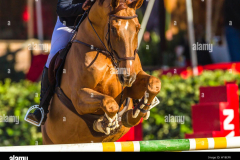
(55, 74)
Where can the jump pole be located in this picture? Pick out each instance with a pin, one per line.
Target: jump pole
(137, 146)
(145, 20)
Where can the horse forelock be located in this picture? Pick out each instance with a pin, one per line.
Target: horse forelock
(101, 2)
(123, 4)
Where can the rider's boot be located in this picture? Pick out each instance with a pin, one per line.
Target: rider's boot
(45, 97)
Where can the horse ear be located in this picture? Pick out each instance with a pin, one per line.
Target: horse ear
(139, 4)
(114, 3)
(135, 3)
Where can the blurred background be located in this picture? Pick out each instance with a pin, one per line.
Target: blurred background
(166, 50)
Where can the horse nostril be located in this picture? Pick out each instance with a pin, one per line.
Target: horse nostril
(121, 78)
(127, 79)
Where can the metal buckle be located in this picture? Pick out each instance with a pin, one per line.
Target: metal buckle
(31, 121)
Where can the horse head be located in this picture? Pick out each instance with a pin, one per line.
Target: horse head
(120, 34)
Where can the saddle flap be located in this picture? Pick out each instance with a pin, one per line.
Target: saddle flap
(54, 64)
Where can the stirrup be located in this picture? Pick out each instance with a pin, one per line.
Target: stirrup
(154, 103)
(31, 121)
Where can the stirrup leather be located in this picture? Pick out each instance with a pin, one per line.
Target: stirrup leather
(31, 121)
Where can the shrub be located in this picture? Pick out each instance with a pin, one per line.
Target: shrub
(15, 99)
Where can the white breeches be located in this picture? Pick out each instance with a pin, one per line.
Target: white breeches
(60, 38)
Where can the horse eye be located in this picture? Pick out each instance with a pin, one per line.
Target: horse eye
(138, 29)
(114, 30)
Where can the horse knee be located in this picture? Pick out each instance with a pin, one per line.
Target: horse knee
(110, 106)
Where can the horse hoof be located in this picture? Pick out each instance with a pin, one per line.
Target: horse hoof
(125, 120)
(97, 126)
(106, 127)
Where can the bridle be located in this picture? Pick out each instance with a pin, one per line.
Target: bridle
(111, 52)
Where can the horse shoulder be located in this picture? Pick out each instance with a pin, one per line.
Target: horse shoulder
(96, 59)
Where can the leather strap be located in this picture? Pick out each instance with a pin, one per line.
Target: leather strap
(92, 47)
(65, 100)
(125, 58)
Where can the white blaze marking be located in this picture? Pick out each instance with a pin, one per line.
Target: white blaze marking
(130, 63)
(126, 25)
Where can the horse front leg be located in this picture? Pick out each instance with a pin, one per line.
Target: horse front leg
(87, 101)
(146, 87)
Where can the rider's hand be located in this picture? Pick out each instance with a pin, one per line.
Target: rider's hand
(86, 5)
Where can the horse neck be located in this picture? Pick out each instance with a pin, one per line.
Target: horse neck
(86, 33)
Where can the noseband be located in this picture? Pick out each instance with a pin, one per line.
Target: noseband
(111, 52)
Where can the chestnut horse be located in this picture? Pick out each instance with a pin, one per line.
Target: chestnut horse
(92, 84)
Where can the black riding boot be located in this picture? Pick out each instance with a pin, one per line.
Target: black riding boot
(45, 97)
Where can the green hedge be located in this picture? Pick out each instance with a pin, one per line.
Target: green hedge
(176, 96)
(15, 99)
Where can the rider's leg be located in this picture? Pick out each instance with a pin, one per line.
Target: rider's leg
(60, 38)
(47, 91)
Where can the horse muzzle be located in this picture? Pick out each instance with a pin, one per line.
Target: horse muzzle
(127, 80)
